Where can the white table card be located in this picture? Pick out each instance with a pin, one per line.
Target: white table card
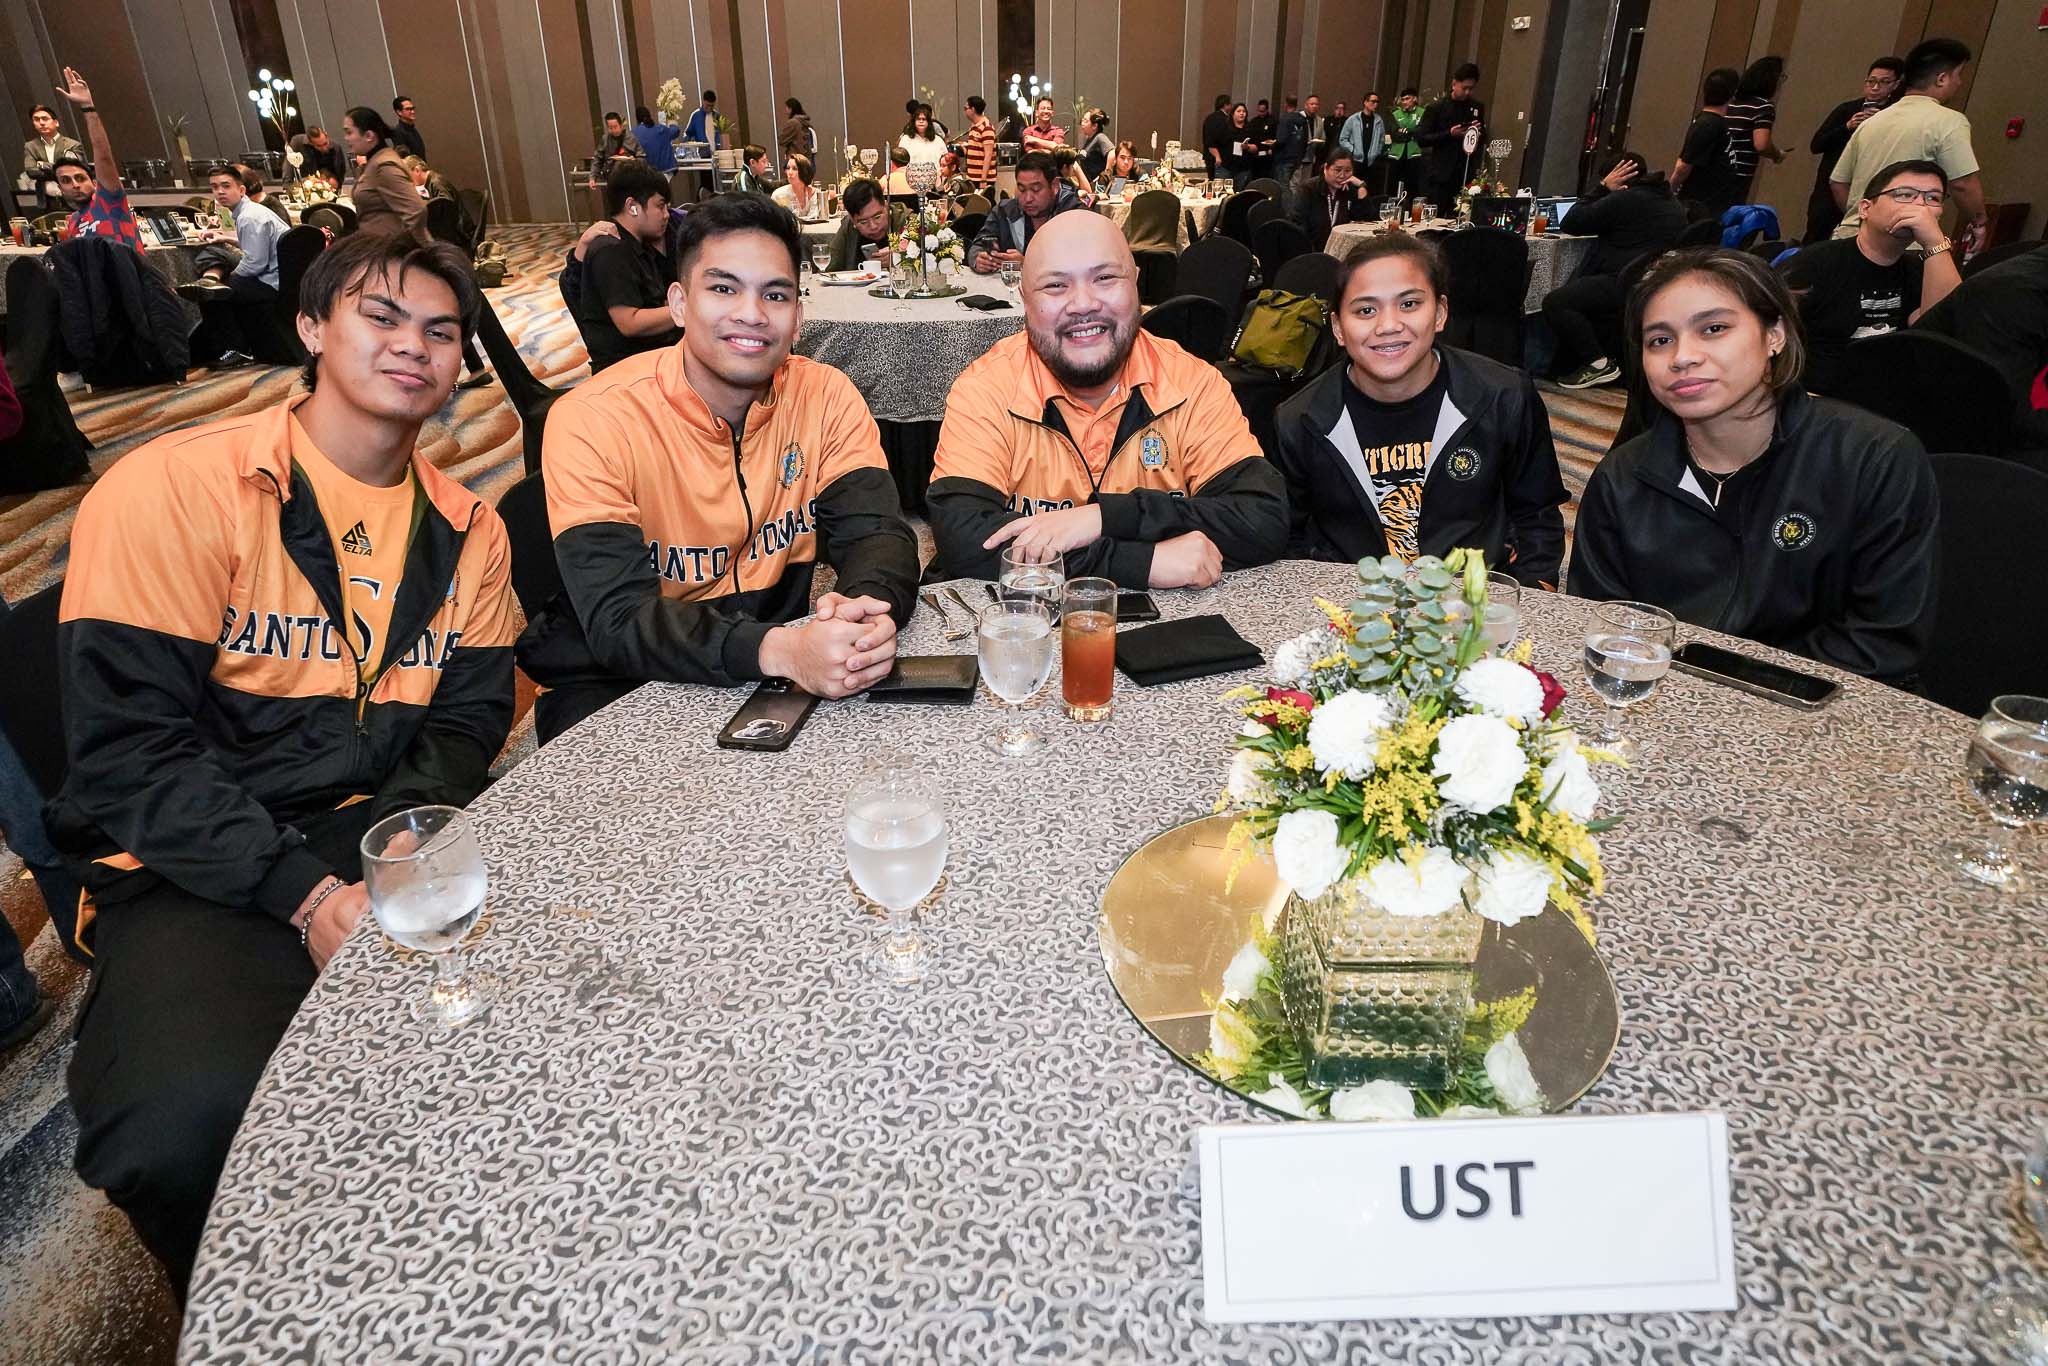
(1473, 1218)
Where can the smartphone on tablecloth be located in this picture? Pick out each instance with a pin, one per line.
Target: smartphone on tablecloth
(1769, 681)
(770, 717)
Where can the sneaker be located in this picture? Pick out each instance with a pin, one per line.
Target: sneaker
(1602, 371)
(229, 359)
(24, 1029)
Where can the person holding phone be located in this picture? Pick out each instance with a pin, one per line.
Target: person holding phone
(693, 492)
(1088, 437)
(1749, 506)
(1415, 448)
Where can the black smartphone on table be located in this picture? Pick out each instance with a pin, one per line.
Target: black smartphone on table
(770, 717)
(1770, 681)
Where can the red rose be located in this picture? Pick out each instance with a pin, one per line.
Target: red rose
(1284, 695)
(1553, 692)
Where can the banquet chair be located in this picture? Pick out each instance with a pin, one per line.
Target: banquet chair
(476, 216)
(1258, 216)
(444, 221)
(1944, 392)
(31, 696)
(323, 216)
(272, 328)
(1984, 260)
(968, 224)
(1312, 272)
(1233, 219)
(1201, 326)
(1276, 242)
(347, 214)
(1153, 222)
(49, 451)
(1705, 233)
(1216, 267)
(1489, 277)
(1194, 228)
(536, 576)
(1266, 186)
(1991, 576)
(974, 203)
(531, 397)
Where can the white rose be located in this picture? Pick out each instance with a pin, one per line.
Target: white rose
(1344, 732)
(1244, 785)
(1306, 852)
(1253, 730)
(1507, 1067)
(1568, 784)
(1480, 760)
(1433, 885)
(931, 241)
(1374, 1100)
(946, 235)
(1241, 978)
(1503, 688)
(1282, 1097)
(1292, 659)
(1512, 887)
(1470, 1112)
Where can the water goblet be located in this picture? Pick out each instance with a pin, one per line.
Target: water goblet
(1390, 211)
(1502, 621)
(1628, 649)
(1010, 273)
(821, 256)
(2011, 1324)
(2007, 768)
(868, 157)
(1013, 638)
(895, 829)
(426, 879)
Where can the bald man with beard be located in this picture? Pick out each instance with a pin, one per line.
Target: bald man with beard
(1086, 436)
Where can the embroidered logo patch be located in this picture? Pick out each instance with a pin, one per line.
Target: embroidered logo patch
(1793, 531)
(1462, 463)
(1152, 451)
(792, 464)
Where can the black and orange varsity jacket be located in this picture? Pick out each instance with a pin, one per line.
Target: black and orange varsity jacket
(211, 682)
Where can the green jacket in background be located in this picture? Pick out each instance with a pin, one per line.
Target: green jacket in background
(1401, 143)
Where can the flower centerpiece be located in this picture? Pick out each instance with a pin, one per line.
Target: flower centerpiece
(1409, 787)
(927, 245)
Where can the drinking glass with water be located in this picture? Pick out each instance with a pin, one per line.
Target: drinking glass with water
(426, 879)
(2007, 767)
(895, 851)
(1628, 649)
(1013, 639)
(1036, 574)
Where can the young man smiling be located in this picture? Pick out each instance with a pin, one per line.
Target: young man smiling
(692, 493)
(276, 630)
(1087, 436)
(1415, 448)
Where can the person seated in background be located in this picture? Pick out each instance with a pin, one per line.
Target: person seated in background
(1870, 284)
(693, 492)
(656, 139)
(1631, 214)
(616, 148)
(2001, 312)
(248, 269)
(1119, 180)
(871, 221)
(40, 153)
(1331, 194)
(1067, 164)
(1748, 506)
(259, 643)
(1089, 437)
(98, 203)
(952, 181)
(429, 182)
(1415, 448)
(1920, 125)
(386, 202)
(320, 155)
(252, 185)
(1043, 134)
(897, 183)
(754, 177)
(795, 193)
(622, 301)
(1704, 174)
(1009, 227)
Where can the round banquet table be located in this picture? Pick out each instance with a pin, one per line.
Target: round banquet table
(696, 1128)
(1553, 258)
(904, 361)
(1203, 208)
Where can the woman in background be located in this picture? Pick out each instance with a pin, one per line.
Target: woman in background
(920, 139)
(1120, 179)
(795, 192)
(795, 138)
(387, 202)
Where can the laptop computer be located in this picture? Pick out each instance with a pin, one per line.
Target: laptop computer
(1502, 211)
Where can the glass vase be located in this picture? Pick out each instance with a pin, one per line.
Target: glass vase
(1373, 996)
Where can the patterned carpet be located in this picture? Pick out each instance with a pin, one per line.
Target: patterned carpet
(74, 1285)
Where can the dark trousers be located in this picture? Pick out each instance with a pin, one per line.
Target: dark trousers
(1585, 316)
(188, 998)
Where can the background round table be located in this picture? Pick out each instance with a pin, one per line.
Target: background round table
(904, 360)
(696, 1128)
(1553, 259)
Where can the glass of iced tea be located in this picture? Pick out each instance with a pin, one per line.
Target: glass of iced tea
(1088, 647)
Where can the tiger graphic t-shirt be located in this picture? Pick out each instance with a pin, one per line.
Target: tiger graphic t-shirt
(1394, 441)
(372, 530)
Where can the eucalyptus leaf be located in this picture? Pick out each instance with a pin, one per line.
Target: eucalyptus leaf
(1375, 631)
(1436, 580)
(1369, 571)
(1374, 671)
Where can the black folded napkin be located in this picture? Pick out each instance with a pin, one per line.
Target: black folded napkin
(1193, 647)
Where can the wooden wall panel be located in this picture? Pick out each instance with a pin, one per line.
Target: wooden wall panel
(97, 41)
(429, 54)
(1728, 35)
(1667, 89)
(816, 75)
(1508, 85)
(877, 82)
(323, 96)
(2008, 84)
(1347, 45)
(1152, 35)
(1097, 69)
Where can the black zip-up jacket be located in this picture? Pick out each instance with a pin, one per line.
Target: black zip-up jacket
(1443, 152)
(1492, 480)
(214, 700)
(1830, 554)
(1640, 217)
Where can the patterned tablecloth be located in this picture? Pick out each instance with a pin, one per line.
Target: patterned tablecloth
(1552, 259)
(696, 1129)
(1202, 208)
(904, 360)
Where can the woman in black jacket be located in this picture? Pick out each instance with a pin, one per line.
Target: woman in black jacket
(1329, 194)
(1748, 506)
(1632, 214)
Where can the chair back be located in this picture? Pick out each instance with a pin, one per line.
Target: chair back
(1947, 394)
(1194, 228)
(476, 215)
(1984, 260)
(968, 224)
(1312, 272)
(324, 216)
(1154, 221)
(31, 701)
(1259, 215)
(296, 252)
(1991, 576)
(1158, 274)
(974, 203)
(1217, 267)
(444, 221)
(1197, 322)
(32, 338)
(531, 397)
(1705, 233)
(49, 451)
(536, 577)
(1233, 220)
(347, 214)
(1489, 277)
(1266, 186)
(1276, 242)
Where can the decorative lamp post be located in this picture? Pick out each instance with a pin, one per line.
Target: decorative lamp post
(273, 100)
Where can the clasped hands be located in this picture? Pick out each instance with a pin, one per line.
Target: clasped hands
(848, 645)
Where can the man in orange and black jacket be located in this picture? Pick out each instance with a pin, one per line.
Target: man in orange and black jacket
(693, 491)
(276, 630)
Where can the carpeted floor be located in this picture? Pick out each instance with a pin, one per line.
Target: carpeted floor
(75, 1287)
